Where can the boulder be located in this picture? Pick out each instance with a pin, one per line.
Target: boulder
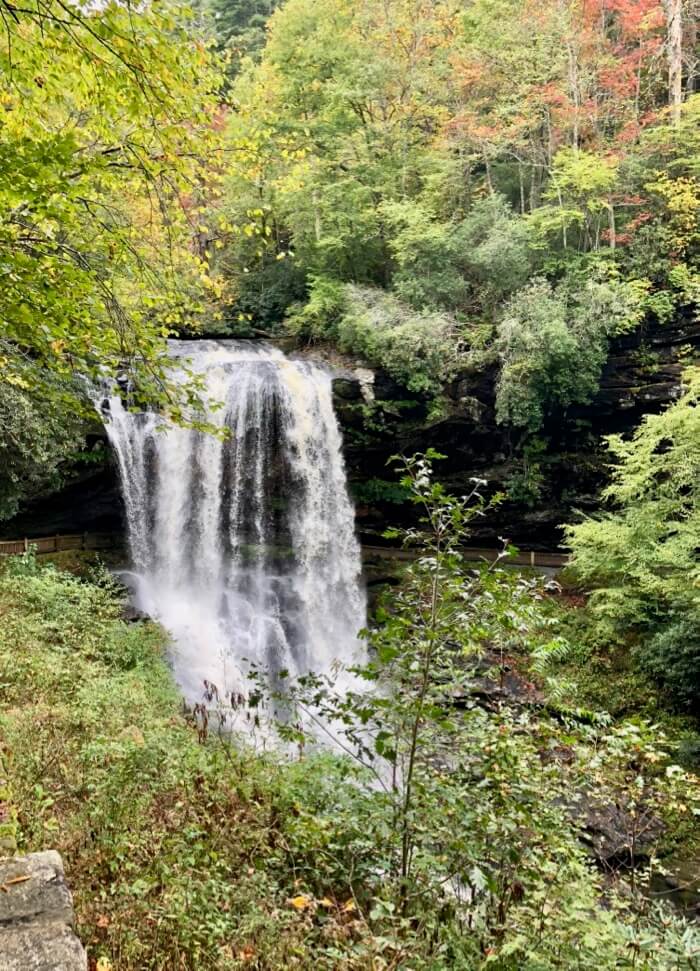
(496, 681)
(36, 916)
(132, 614)
(614, 837)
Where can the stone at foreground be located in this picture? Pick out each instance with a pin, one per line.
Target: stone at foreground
(36, 916)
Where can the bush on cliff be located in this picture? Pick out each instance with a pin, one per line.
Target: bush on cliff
(640, 558)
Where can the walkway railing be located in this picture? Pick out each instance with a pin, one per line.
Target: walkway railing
(110, 541)
(533, 558)
(60, 542)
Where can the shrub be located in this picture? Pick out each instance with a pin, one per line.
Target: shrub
(445, 265)
(37, 442)
(429, 272)
(671, 655)
(317, 319)
(422, 350)
(456, 834)
(495, 244)
(553, 343)
(640, 558)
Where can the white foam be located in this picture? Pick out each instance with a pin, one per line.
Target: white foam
(243, 547)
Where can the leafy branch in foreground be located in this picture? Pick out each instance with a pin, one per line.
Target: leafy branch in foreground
(462, 845)
(108, 141)
(639, 557)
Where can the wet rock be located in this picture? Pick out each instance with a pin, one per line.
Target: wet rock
(132, 615)
(496, 681)
(679, 885)
(36, 916)
(614, 837)
(347, 389)
(387, 389)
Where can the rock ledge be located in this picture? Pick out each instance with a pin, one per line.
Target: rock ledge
(36, 916)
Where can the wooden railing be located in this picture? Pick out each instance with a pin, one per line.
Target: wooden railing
(533, 558)
(59, 543)
(109, 541)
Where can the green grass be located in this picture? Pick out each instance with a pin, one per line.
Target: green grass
(186, 852)
(174, 847)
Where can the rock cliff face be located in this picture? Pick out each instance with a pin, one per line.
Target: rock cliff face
(36, 916)
(563, 473)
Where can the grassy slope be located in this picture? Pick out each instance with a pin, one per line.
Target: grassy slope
(182, 852)
(172, 847)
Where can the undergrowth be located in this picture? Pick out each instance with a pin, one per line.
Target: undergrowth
(187, 851)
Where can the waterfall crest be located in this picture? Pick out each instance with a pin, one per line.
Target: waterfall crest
(243, 546)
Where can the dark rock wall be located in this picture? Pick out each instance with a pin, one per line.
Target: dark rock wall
(642, 375)
(89, 503)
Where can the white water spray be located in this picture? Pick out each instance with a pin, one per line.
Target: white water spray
(243, 547)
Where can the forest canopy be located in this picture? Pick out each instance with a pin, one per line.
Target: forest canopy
(451, 154)
(108, 143)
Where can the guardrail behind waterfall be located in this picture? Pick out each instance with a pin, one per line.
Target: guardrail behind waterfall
(109, 541)
(533, 558)
(59, 543)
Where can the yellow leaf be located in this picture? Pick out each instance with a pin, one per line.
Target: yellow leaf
(349, 907)
(301, 902)
(16, 381)
(325, 902)
(103, 964)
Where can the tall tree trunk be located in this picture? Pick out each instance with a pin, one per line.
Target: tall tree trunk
(318, 228)
(575, 94)
(674, 44)
(611, 224)
(692, 58)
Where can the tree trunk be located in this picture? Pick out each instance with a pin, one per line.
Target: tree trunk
(692, 58)
(318, 228)
(674, 44)
(611, 223)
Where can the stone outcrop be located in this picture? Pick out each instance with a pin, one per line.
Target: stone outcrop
(615, 837)
(36, 916)
(380, 418)
(642, 375)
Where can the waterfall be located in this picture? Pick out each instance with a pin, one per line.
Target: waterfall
(243, 543)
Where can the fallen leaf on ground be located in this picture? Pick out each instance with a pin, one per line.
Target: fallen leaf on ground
(301, 902)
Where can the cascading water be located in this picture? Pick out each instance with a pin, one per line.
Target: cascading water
(243, 545)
